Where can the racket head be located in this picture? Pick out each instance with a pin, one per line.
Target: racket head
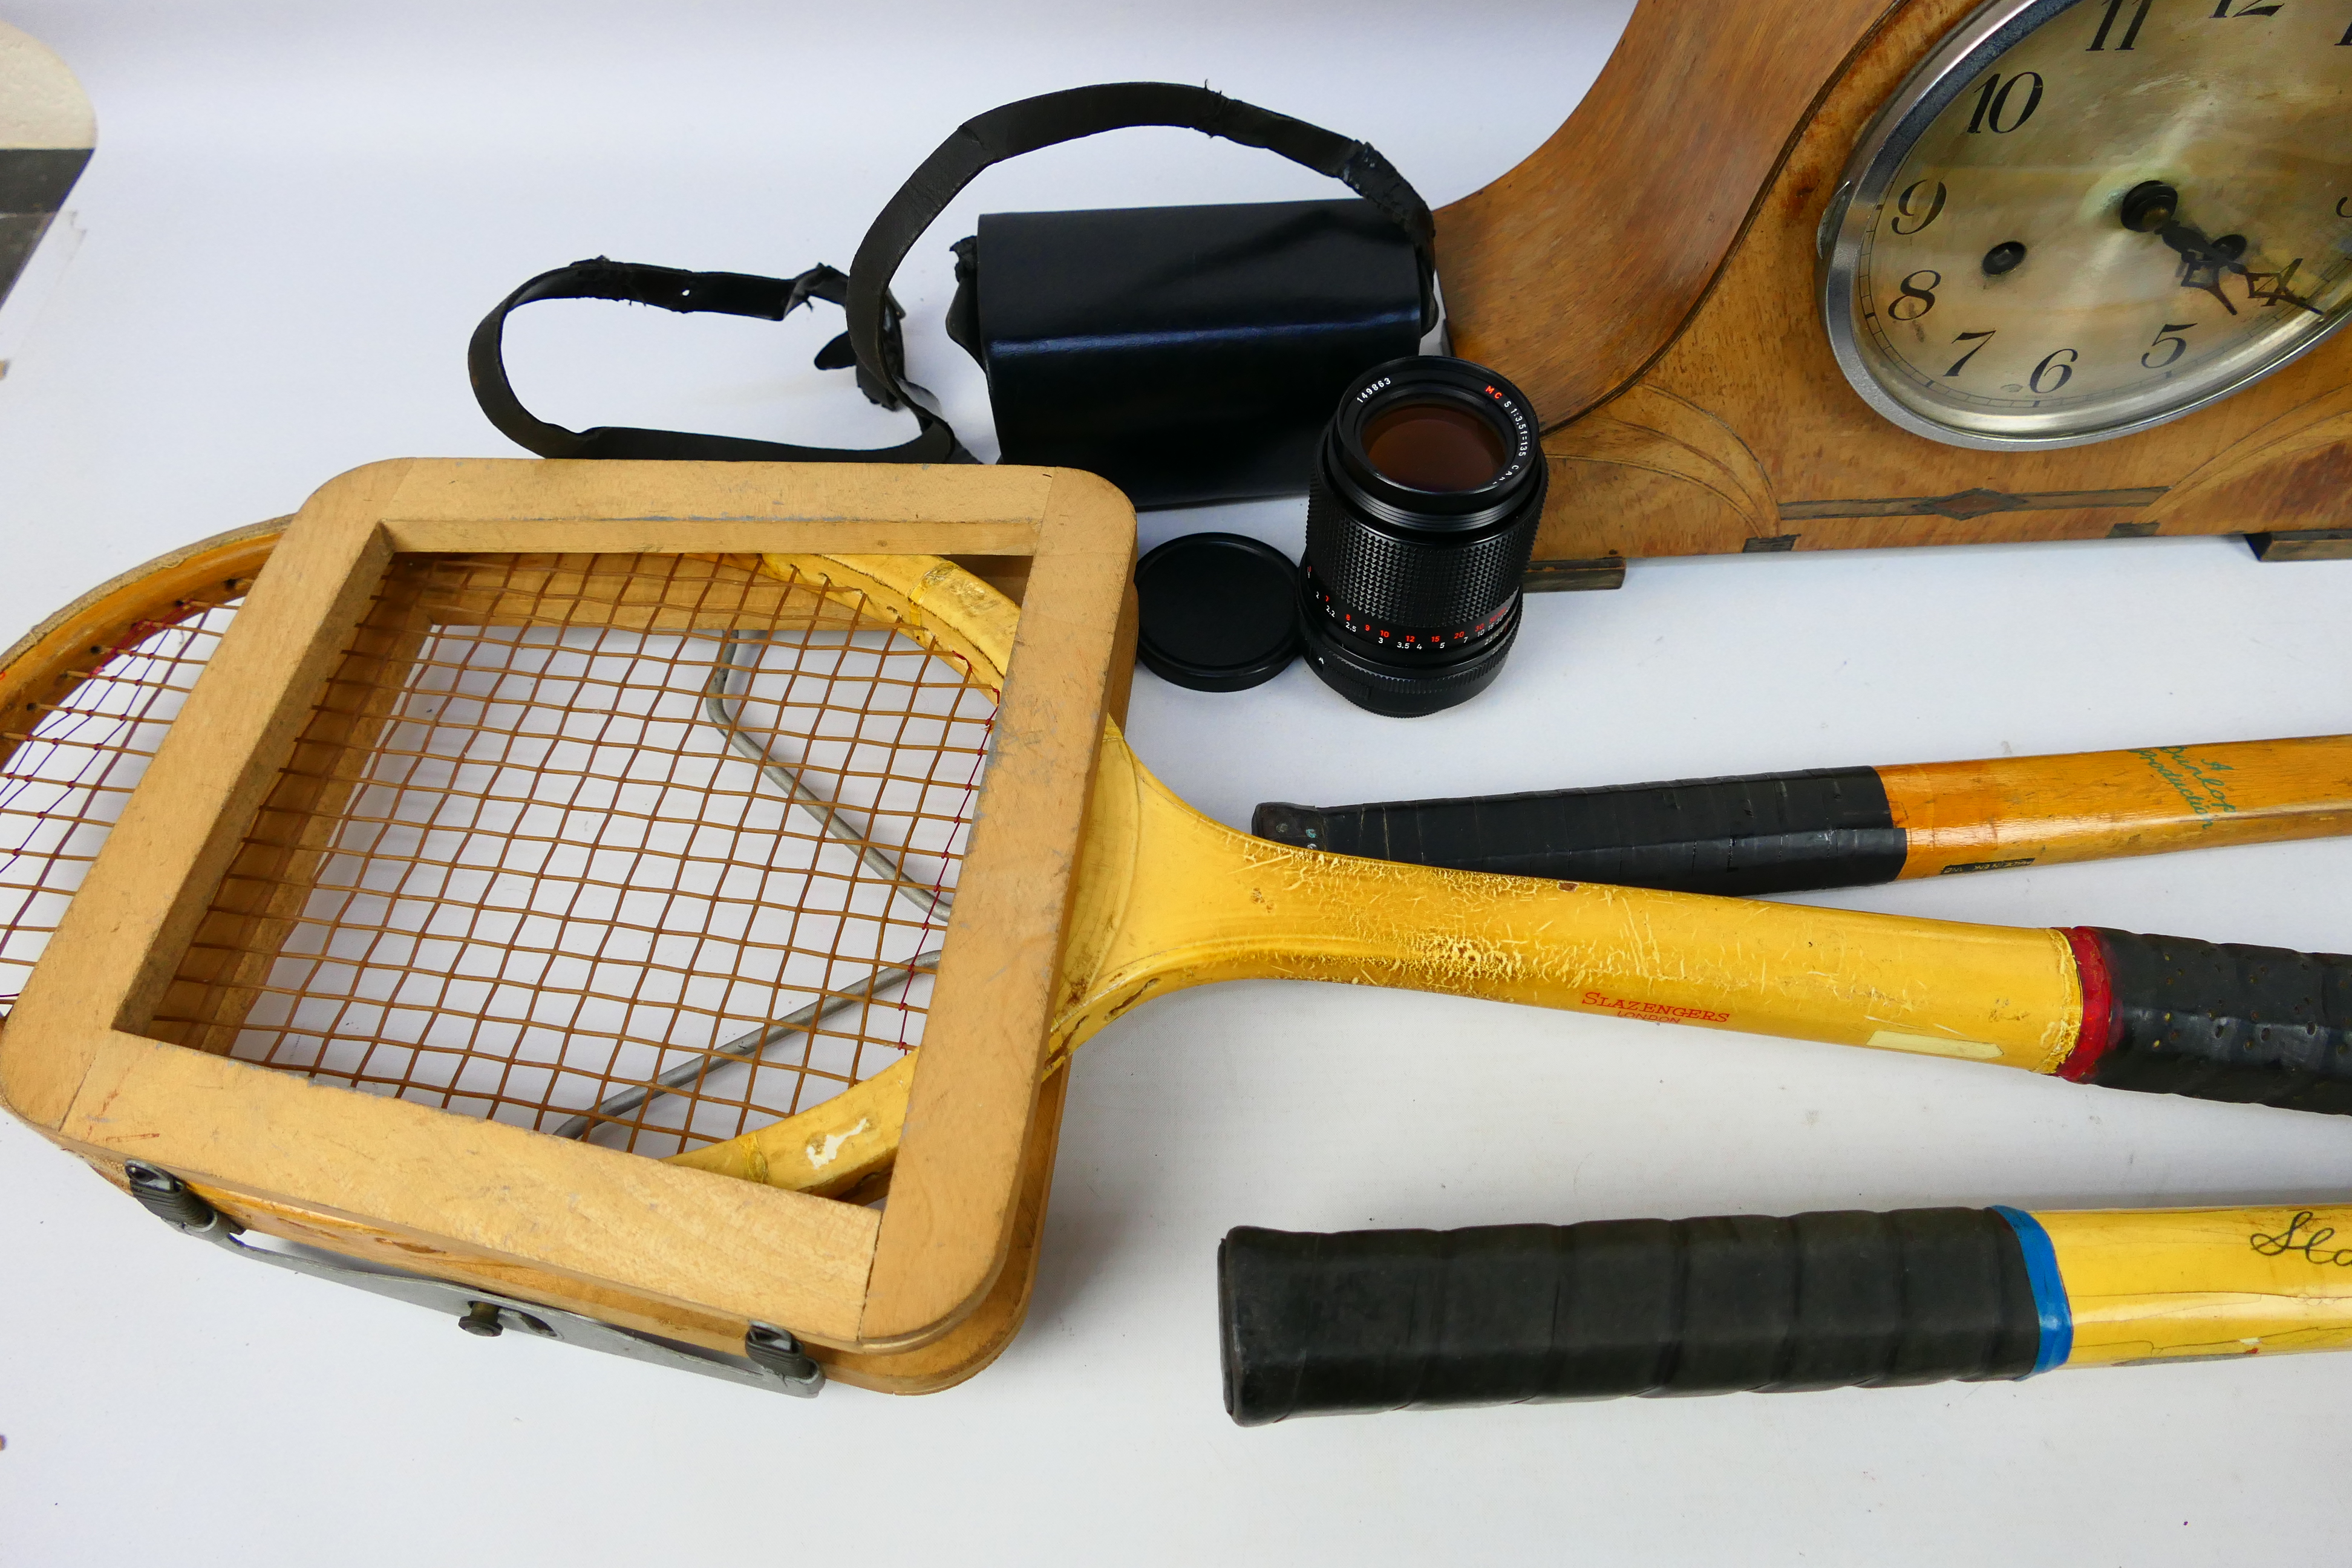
(86, 697)
(91, 1056)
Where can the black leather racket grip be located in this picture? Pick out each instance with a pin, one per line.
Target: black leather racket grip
(1766, 833)
(1389, 1320)
(2222, 1021)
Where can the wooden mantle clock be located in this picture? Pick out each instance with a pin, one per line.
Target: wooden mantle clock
(1832, 274)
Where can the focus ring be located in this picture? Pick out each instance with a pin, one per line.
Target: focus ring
(1443, 584)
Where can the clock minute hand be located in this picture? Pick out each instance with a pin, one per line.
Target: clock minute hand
(2153, 207)
(2228, 252)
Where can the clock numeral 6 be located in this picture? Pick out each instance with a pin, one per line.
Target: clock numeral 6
(2168, 334)
(1904, 207)
(1992, 103)
(1920, 297)
(2063, 369)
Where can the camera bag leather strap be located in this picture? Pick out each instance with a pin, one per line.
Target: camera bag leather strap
(875, 340)
(1069, 116)
(670, 289)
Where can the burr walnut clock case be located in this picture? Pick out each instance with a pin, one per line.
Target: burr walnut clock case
(1826, 274)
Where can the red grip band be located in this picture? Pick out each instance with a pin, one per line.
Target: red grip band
(2102, 1023)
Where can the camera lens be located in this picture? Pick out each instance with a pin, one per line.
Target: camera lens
(1421, 514)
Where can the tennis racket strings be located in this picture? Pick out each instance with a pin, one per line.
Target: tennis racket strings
(78, 745)
(654, 850)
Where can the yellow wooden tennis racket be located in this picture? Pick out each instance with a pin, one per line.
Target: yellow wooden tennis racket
(1170, 899)
(634, 800)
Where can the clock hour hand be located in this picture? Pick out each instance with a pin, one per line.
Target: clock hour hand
(2153, 207)
(2203, 260)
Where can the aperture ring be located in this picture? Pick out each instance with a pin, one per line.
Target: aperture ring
(1381, 636)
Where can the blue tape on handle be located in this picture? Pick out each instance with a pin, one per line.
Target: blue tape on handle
(2050, 1303)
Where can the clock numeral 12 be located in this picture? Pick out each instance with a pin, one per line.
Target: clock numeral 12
(2106, 23)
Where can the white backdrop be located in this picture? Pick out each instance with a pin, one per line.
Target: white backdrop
(296, 214)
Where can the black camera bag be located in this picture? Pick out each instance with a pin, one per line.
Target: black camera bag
(1187, 355)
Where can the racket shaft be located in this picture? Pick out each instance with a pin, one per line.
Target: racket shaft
(1776, 833)
(2166, 1014)
(1171, 900)
(1369, 1321)
(1200, 903)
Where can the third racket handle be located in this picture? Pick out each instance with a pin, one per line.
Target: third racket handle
(1367, 1321)
(2174, 1014)
(1768, 833)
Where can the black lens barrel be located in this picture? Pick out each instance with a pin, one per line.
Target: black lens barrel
(1418, 584)
(1411, 595)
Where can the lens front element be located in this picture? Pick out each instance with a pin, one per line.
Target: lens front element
(1434, 447)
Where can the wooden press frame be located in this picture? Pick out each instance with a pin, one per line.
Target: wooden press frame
(911, 1297)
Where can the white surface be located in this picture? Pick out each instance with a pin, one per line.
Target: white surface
(299, 215)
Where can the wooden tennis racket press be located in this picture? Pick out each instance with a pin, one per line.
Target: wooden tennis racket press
(1652, 277)
(606, 640)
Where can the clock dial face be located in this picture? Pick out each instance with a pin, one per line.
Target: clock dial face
(2082, 218)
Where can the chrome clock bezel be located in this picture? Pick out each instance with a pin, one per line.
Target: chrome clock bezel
(1949, 69)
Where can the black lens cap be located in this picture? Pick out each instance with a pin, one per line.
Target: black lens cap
(1219, 612)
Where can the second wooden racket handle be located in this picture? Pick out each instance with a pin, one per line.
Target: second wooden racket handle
(1837, 828)
(1773, 833)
